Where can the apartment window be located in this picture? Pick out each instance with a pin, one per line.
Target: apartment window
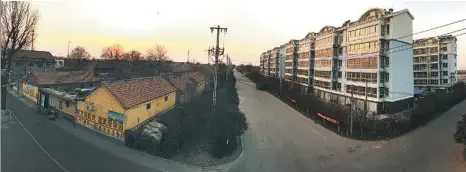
(445, 81)
(434, 58)
(445, 73)
(339, 74)
(444, 49)
(445, 65)
(388, 29)
(434, 66)
(148, 106)
(166, 98)
(434, 82)
(445, 57)
(433, 74)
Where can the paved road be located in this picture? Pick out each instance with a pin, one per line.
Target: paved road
(52, 149)
(281, 139)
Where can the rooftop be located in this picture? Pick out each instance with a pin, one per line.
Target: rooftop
(181, 82)
(133, 92)
(67, 77)
(26, 54)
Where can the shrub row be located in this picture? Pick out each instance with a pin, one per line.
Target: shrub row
(364, 126)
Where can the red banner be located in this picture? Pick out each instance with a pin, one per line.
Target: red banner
(294, 101)
(329, 119)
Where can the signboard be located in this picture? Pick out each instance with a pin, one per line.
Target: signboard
(328, 119)
(115, 116)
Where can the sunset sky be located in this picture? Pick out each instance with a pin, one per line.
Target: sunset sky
(253, 26)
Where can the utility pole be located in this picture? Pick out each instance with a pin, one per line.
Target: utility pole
(188, 57)
(351, 112)
(32, 40)
(227, 64)
(68, 55)
(365, 102)
(452, 77)
(218, 52)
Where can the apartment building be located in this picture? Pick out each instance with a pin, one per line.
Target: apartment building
(262, 63)
(366, 62)
(360, 60)
(305, 60)
(291, 60)
(434, 63)
(282, 55)
(267, 62)
(274, 61)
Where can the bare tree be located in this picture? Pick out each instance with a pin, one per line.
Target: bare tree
(114, 51)
(18, 24)
(133, 55)
(157, 53)
(79, 53)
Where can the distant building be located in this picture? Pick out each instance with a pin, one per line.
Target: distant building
(28, 61)
(434, 63)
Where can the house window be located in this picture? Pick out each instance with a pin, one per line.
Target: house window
(166, 98)
(31, 64)
(39, 64)
(148, 106)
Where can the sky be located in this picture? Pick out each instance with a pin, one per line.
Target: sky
(253, 26)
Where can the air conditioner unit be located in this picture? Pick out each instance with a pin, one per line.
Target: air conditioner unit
(89, 108)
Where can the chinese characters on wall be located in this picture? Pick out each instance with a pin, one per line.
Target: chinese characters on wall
(110, 127)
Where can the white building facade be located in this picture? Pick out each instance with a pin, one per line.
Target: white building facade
(367, 63)
(435, 63)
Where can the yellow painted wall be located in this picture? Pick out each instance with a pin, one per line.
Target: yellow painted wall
(97, 119)
(31, 92)
(70, 110)
(139, 113)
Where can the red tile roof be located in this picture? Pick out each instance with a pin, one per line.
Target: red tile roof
(67, 77)
(133, 92)
(33, 54)
(181, 82)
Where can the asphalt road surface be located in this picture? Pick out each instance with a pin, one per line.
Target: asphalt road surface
(33, 144)
(280, 139)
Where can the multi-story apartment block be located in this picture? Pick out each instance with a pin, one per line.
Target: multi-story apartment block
(434, 61)
(361, 59)
(262, 59)
(305, 61)
(274, 62)
(267, 62)
(291, 60)
(282, 63)
(358, 62)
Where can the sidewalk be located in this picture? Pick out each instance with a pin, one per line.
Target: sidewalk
(118, 149)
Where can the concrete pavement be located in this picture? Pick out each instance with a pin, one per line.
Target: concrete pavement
(281, 139)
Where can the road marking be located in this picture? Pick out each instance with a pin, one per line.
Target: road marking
(319, 133)
(234, 163)
(40, 146)
(433, 138)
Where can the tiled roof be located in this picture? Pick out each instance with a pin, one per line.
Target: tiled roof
(136, 91)
(196, 76)
(174, 67)
(33, 54)
(181, 82)
(67, 77)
